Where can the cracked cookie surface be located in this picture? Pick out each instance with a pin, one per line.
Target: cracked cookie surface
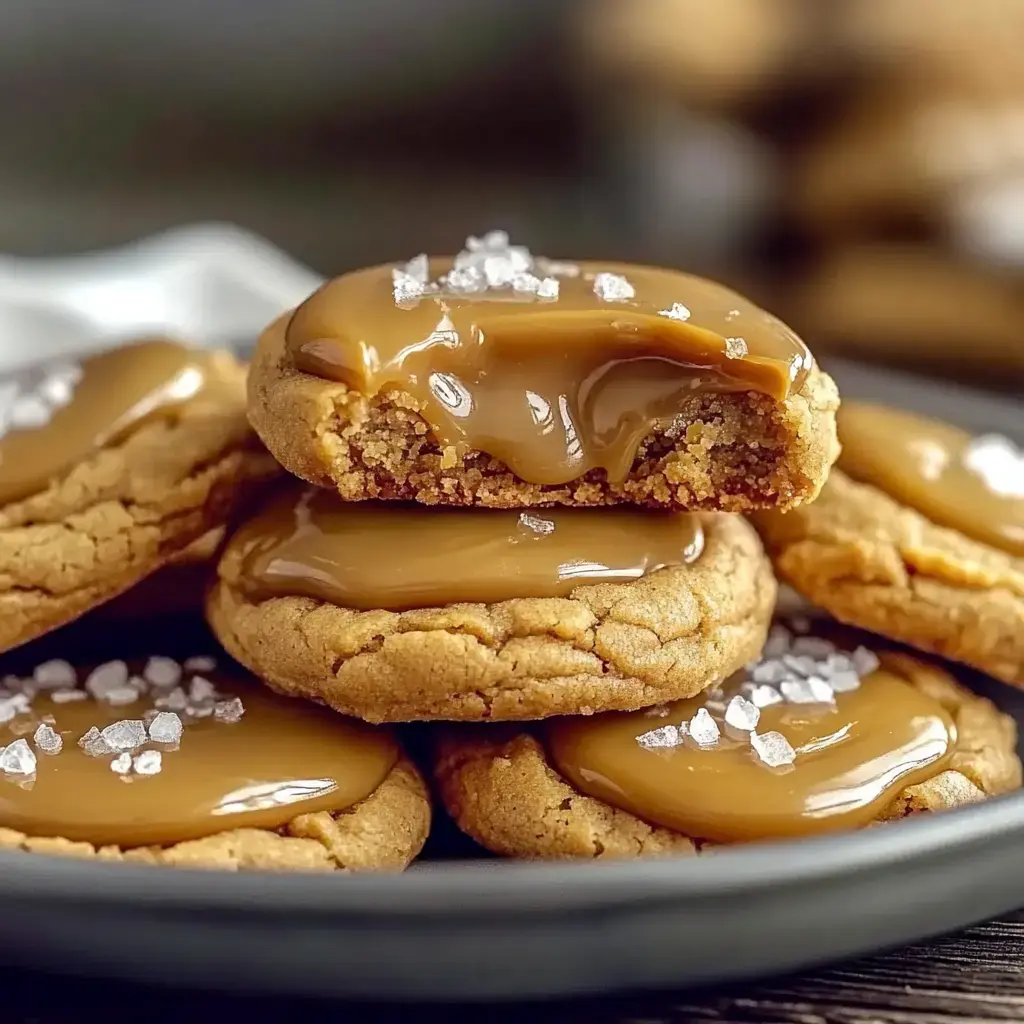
(500, 787)
(605, 647)
(724, 452)
(874, 563)
(384, 832)
(125, 511)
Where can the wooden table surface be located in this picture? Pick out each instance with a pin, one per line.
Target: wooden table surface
(975, 976)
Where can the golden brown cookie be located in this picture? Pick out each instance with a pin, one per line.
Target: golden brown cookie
(110, 468)
(502, 787)
(183, 764)
(669, 391)
(666, 634)
(918, 535)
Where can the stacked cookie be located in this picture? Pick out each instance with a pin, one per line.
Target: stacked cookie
(521, 518)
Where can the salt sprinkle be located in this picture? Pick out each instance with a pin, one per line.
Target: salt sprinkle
(779, 639)
(772, 748)
(29, 412)
(660, 739)
(201, 689)
(93, 743)
(165, 727)
(125, 735)
(162, 672)
(122, 764)
(149, 762)
(18, 759)
(55, 673)
(16, 704)
(703, 729)
(770, 671)
(999, 463)
(67, 696)
(612, 287)
(865, 661)
(465, 280)
(229, 711)
(677, 311)
(557, 268)
(813, 646)
(536, 523)
(112, 675)
(548, 288)
(735, 348)
(763, 696)
(121, 695)
(173, 701)
(813, 690)
(200, 663)
(48, 740)
(742, 714)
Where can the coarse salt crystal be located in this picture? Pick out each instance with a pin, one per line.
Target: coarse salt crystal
(844, 680)
(677, 311)
(176, 700)
(16, 704)
(813, 646)
(465, 280)
(18, 759)
(742, 714)
(865, 661)
(229, 711)
(735, 348)
(536, 524)
(122, 764)
(48, 740)
(813, 690)
(800, 664)
(93, 743)
(200, 663)
(407, 290)
(499, 271)
(770, 671)
(661, 739)
(703, 729)
(777, 644)
(165, 727)
(128, 734)
(29, 412)
(149, 762)
(557, 268)
(548, 288)
(418, 268)
(772, 748)
(111, 675)
(658, 711)
(762, 695)
(55, 673)
(120, 696)
(201, 689)
(67, 696)
(612, 287)
(161, 671)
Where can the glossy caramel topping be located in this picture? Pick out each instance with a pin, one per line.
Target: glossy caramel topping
(365, 555)
(282, 758)
(830, 765)
(554, 381)
(54, 415)
(971, 484)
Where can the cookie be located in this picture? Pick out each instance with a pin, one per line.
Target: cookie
(397, 613)
(108, 468)
(918, 536)
(916, 307)
(435, 382)
(766, 756)
(180, 764)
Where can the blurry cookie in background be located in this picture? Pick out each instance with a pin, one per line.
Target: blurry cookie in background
(110, 466)
(913, 306)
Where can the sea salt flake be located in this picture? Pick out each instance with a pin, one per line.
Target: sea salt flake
(18, 759)
(149, 762)
(813, 690)
(407, 290)
(526, 284)
(67, 696)
(111, 675)
(54, 673)
(612, 287)
(772, 748)
(715, 705)
(201, 689)
(199, 710)
(465, 280)
(777, 644)
(548, 288)
(418, 268)
(48, 740)
(742, 714)
(735, 348)
(162, 671)
(661, 739)
(122, 764)
(93, 743)
(844, 681)
(865, 661)
(16, 704)
(800, 664)
(165, 727)
(762, 695)
(557, 268)
(199, 663)
(812, 647)
(703, 729)
(658, 711)
(499, 270)
(176, 700)
(128, 734)
(770, 671)
(677, 311)
(121, 696)
(800, 624)
(29, 412)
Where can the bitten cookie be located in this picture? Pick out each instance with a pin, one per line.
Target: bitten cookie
(108, 468)
(919, 536)
(756, 760)
(500, 379)
(392, 613)
(179, 764)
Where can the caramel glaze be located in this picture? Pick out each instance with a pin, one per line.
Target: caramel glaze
(852, 759)
(119, 390)
(926, 465)
(284, 758)
(365, 555)
(552, 388)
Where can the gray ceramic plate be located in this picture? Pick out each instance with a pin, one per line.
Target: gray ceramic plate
(466, 928)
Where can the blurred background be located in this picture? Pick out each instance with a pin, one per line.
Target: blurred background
(857, 166)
